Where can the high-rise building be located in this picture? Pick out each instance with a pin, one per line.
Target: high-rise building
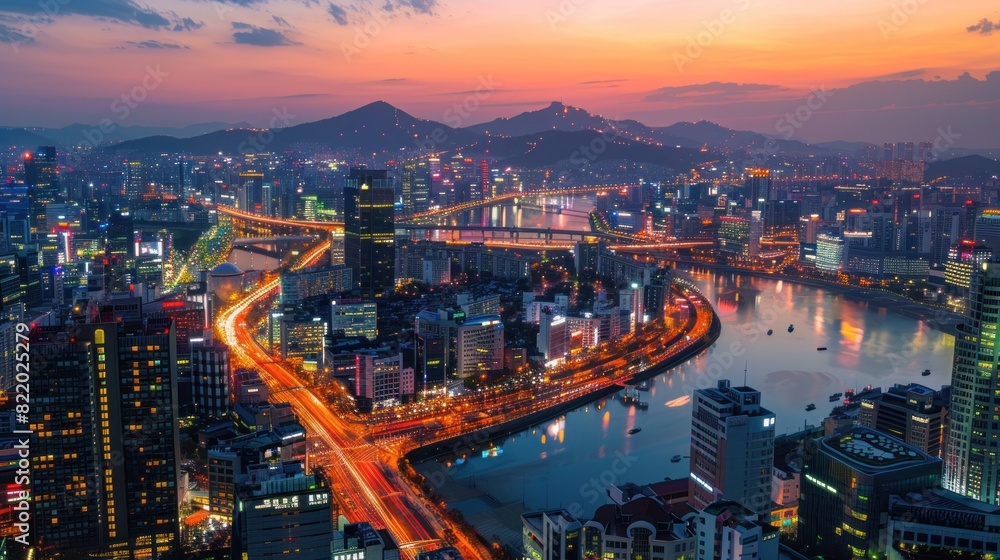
(41, 175)
(369, 233)
(354, 317)
(282, 512)
(134, 180)
(846, 487)
(381, 380)
(757, 189)
(105, 444)
(479, 346)
(253, 195)
(211, 379)
(912, 413)
(551, 339)
(971, 462)
(416, 186)
(732, 448)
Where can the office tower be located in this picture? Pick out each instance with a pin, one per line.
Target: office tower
(551, 339)
(252, 195)
(730, 531)
(656, 294)
(211, 379)
(311, 282)
(586, 259)
(282, 512)
(915, 414)
(41, 176)
(846, 487)
(105, 448)
(757, 189)
(631, 300)
(904, 151)
(436, 334)
(134, 180)
(987, 229)
(369, 233)
(829, 253)
(732, 447)
(888, 151)
(484, 179)
(964, 258)
(971, 465)
(380, 380)
(353, 317)
(416, 186)
(479, 346)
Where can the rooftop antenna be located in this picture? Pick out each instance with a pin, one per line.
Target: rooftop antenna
(745, 372)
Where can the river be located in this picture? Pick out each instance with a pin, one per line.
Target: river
(569, 461)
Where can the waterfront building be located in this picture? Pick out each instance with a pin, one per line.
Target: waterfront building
(846, 487)
(913, 413)
(551, 535)
(939, 523)
(732, 447)
(971, 463)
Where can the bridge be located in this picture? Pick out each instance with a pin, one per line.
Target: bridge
(271, 240)
(448, 210)
(514, 233)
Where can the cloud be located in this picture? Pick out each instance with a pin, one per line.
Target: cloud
(282, 22)
(338, 13)
(123, 11)
(259, 36)
(188, 24)
(425, 7)
(710, 92)
(596, 82)
(153, 44)
(14, 36)
(984, 27)
(915, 73)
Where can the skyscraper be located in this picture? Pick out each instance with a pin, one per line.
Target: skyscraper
(42, 178)
(369, 233)
(732, 447)
(211, 379)
(105, 448)
(757, 189)
(416, 186)
(971, 465)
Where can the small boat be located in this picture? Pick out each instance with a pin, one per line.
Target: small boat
(676, 459)
(811, 407)
(925, 373)
(821, 348)
(770, 332)
(791, 328)
(634, 431)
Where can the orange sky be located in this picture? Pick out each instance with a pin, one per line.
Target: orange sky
(603, 55)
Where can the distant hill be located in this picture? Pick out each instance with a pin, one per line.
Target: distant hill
(974, 166)
(582, 147)
(718, 137)
(75, 134)
(554, 117)
(375, 128)
(21, 138)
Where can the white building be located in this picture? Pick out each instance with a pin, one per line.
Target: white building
(728, 531)
(479, 346)
(551, 338)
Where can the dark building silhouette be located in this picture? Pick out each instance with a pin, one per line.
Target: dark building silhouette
(369, 244)
(42, 178)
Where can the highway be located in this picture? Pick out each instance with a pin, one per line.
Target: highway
(365, 487)
(359, 461)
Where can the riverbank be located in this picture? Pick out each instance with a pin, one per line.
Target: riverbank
(936, 318)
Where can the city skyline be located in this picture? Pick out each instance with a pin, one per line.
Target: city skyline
(892, 72)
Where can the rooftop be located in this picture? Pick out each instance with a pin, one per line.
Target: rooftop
(868, 450)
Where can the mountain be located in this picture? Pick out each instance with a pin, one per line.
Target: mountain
(22, 138)
(975, 166)
(583, 147)
(375, 128)
(724, 139)
(554, 117)
(76, 134)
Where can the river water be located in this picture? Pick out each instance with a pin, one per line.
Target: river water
(568, 461)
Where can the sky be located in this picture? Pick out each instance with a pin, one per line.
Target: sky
(872, 70)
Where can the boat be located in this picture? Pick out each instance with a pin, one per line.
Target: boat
(821, 348)
(925, 373)
(791, 328)
(676, 459)
(770, 332)
(811, 407)
(634, 431)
